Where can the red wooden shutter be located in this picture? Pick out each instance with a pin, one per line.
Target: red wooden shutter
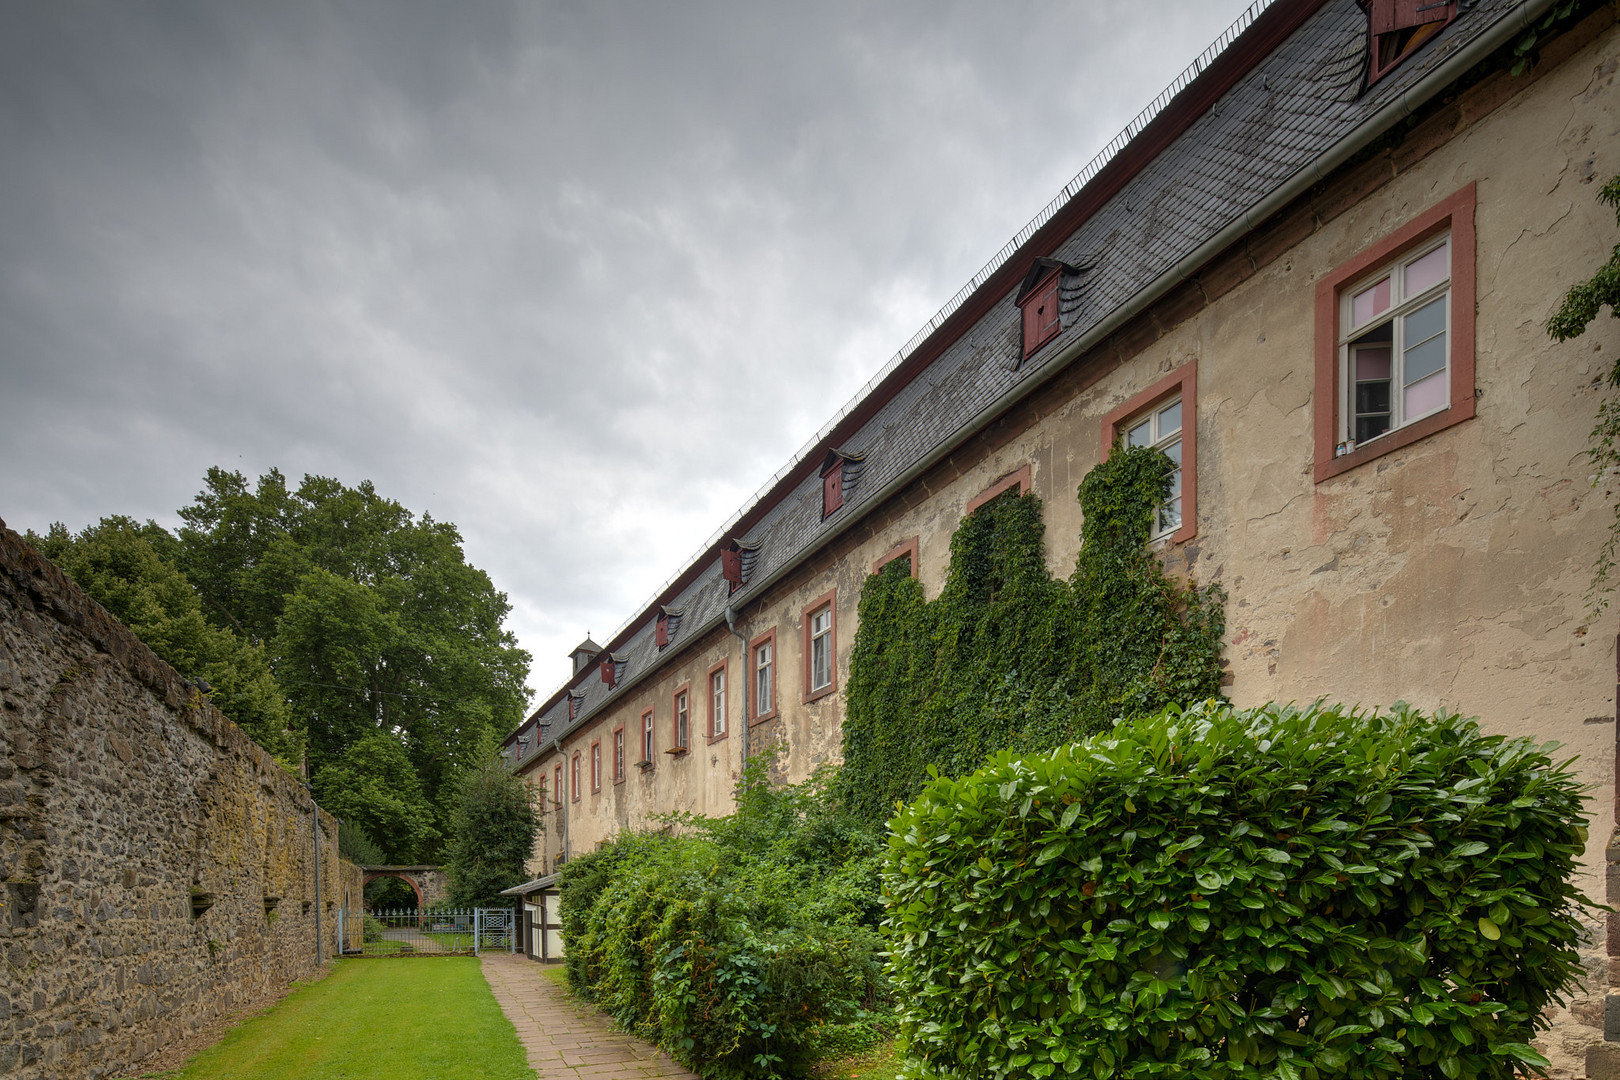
(1389, 16)
(661, 631)
(832, 489)
(607, 671)
(731, 566)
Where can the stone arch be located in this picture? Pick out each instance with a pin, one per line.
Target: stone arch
(429, 883)
(406, 878)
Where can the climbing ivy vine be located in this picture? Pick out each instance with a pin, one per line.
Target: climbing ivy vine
(1008, 655)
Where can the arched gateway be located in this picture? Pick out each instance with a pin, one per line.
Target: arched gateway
(427, 882)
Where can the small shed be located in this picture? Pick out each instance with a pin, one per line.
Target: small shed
(540, 921)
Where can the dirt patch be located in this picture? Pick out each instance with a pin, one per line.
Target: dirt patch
(172, 1058)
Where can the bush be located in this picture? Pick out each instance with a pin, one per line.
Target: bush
(743, 945)
(1215, 893)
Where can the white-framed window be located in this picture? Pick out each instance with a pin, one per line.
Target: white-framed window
(1160, 427)
(683, 719)
(717, 703)
(821, 628)
(647, 735)
(618, 755)
(764, 668)
(1395, 346)
(596, 765)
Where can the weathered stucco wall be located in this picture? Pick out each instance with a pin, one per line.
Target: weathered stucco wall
(158, 866)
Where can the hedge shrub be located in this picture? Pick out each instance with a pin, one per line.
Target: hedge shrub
(742, 945)
(1216, 893)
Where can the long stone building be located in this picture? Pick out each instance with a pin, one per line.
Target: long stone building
(1318, 272)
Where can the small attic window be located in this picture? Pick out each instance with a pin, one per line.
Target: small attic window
(737, 563)
(1038, 300)
(1397, 28)
(667, 626)
(613, 665)
(840, 471)
(576, 703)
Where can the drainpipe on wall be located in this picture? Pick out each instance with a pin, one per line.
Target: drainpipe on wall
(315, 832)
(556, 745)
(731, 624)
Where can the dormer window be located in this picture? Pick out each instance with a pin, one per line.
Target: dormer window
(667, 626)
(613, 665)
(840, 471)
(737, 563)
(576, 703)
(1397, 28)
(1038, 300)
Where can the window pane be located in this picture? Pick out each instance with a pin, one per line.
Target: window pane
(1428, 271)
(1426, 395)
(1173, 452)
(1170, 419)
(1170, 514)
(1424, 360)
(1369, 303)
(1372, 363)
(1370, 427)
(1141, 434)
(1425, 323)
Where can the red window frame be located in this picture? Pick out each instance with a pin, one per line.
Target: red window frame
(596, 766)
(618, 754)
(1184, 382)
(648, 739)
(573, 777)
(681, 702)
(756, 714)
(661, 630)
(827, 601)
(720, 669)
(557, 786)
(1456, 214)
(901, 550)
(1019, 480)
(1041, 321)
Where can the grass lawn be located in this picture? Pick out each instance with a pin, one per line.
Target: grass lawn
(431, 1018)
(882, 1062)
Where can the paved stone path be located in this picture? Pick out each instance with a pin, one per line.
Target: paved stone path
(567, 1040)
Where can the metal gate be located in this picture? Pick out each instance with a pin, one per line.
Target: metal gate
(426, 932)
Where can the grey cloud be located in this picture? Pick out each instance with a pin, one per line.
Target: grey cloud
(577, 277)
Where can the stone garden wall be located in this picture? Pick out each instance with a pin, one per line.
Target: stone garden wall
(157, 867)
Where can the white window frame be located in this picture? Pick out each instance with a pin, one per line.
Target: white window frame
(647, 745)
(764, 678)
(1150, 427)
(717, 701)
(1401, 305)
(683, 719)
(821, 628)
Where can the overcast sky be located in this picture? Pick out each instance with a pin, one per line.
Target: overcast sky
(576, 277)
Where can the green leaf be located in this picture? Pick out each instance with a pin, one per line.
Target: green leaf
(1488, 929)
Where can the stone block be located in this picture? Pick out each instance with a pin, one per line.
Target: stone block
(1603, 1061)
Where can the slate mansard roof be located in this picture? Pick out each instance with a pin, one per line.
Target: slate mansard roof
(1278, 102)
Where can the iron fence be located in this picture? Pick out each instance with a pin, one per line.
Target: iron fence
(426, 932)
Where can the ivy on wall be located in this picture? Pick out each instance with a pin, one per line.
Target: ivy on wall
(1010, 657)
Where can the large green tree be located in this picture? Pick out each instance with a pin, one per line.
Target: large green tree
(376, 624)
(373, 784)
(493, 833)
(127, 568)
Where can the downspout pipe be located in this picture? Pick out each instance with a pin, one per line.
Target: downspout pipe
(743, 672)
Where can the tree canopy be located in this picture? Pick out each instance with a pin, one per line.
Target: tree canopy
(493, 832)
(122, 566)
(337, 627)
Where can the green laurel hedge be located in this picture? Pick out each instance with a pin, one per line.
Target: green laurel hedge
(744, 945)
(1218, 893)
